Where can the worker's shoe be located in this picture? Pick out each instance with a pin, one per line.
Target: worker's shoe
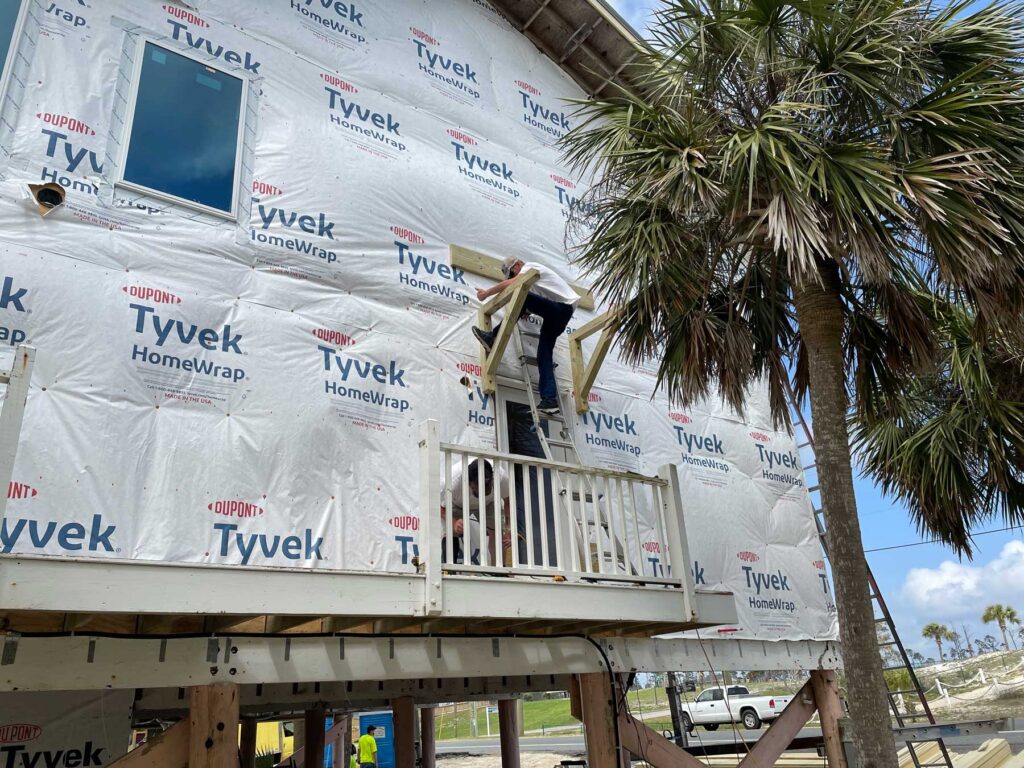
(549, 406)
(486, 338)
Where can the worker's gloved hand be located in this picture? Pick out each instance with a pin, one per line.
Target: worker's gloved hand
(458, 527)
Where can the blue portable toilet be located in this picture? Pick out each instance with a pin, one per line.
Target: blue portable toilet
(385, 735)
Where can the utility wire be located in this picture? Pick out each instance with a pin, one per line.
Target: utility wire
(939, 541)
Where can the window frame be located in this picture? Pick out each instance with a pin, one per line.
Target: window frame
(7, 66)
(129, 123)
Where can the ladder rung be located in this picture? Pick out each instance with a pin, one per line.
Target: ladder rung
(802, 445)
(5, 378)
(897, 693)
(883, 645)
(813, 488)
(531, 334)
(560, 443)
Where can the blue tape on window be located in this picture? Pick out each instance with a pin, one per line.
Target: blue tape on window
(209, 82)
(158, 56)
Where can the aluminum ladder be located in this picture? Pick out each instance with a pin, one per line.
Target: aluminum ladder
(557, 443)
(883, 618)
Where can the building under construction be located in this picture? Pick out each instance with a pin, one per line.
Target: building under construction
(240, 241)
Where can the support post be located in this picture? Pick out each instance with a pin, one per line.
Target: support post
(596, 705)
(430, 516)
(213, 726)
(247, 743)
(508, 726)
(830, 711)
(428, 735)
(650, 746)
(403, 710)
(678, 555)
(18, 380)
(342, 741)
(314, 727)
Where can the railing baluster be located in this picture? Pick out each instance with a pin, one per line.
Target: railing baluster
(499, 533)
(659, 528)
(631, 486)
(449, 556)
(624, 529)
(608, 524)
(581, 486)
(481, 510)
(528, 504)
(544, 486)
(464, 538)
(562, 561)
(513, 516)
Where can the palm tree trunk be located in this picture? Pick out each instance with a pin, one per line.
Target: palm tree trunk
(820, 315)
(938, 642)
(1002, 628)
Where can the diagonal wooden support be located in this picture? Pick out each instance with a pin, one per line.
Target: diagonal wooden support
(514, 296)
(585, 373)
(168, 750)
(651, 747)
(830, 711)
(766, 752)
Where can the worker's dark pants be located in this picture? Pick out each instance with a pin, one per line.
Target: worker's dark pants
(555, 317)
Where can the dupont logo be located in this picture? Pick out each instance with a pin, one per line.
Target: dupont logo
(263, 188)
(66, 122)
(819, 564)
(331, 336)
(593, 397)
(465, 138)
(16, 732)
(235, 508)
(760, 436)
(680, 418)
(471, 368)
(652, 546)
(424, 36)
(338, 83)
(748, 557)
(408, 235)
(405, 522)
(154, 295)
(528, 88)
(20, 491)
(181, 13)
(568, 183)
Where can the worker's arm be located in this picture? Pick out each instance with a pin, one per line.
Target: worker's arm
(494, 290)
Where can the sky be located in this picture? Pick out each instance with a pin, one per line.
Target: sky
(924, 582)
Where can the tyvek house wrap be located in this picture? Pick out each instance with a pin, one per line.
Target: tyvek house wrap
(358, 118)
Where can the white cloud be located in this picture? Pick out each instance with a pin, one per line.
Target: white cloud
(958, 591)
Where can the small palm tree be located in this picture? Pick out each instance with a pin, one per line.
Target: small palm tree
(938, 633)
(801, 187)
(1003, 615)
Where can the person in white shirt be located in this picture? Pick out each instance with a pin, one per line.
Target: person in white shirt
(553, 301)
(466, 512)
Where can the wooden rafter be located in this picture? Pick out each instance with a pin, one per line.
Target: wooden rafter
(584, 373)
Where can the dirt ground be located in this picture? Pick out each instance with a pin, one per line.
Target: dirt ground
(526, 759)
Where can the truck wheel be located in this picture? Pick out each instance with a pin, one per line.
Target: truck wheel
(687, 723)
(711, 727)
(750, 720)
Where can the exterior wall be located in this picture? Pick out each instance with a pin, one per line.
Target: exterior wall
(375, 119)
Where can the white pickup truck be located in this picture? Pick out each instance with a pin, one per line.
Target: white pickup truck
(713, 707)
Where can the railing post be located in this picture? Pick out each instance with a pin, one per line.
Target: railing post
(430, 517)
(679, 552)
(18, 381)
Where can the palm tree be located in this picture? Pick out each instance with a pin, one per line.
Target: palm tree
(790, 190)
(938, 633)
(1002, 615)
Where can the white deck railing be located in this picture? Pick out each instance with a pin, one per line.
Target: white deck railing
(560, 520)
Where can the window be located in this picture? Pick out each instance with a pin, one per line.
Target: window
(705, 696)
(716, 695)
(184, 128)
(9, 13)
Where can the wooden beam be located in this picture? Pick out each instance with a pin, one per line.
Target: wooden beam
(584, 373)
(428, 738)
(514, 296)
(598, 715)
(314, 727)
(490, 267)
(651, 747)
(168, 750)
(247, 743)
(404, 711)
(508, 727)
(766, 752)
(345, 623)
(213, 726)
(218, 624)
(278, 624)
(830, 711)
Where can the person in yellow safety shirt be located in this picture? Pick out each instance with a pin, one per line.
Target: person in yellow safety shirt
(352, 763)
(368, 749)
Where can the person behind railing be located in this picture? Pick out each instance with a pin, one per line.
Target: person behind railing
(461, 506)
(553, 301)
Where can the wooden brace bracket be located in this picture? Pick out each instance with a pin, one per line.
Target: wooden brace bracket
(514, 296)
(585, 373)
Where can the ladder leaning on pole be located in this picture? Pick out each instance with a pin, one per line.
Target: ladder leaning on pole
(16, 381)
(883, 618)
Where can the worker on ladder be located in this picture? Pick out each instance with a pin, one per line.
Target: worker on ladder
(550, 298)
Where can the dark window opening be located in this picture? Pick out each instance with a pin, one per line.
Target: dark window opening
(185, 130)
(9, 10)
